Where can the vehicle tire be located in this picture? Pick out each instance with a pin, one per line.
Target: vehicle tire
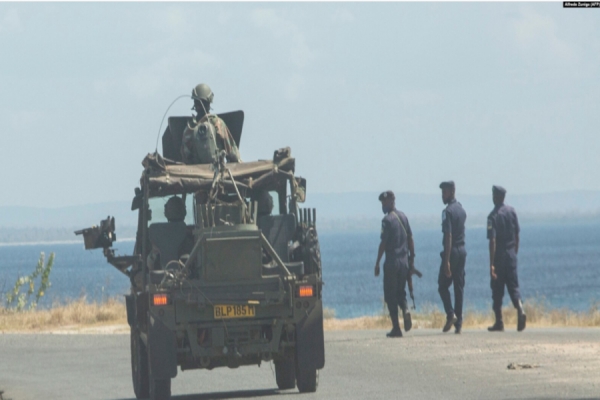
(285, 373)
(160, 389)
(139, 366)
(307, 380)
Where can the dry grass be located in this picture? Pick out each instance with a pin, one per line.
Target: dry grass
(81, 314)
(333, 324)
(538, 315)
(75, 313)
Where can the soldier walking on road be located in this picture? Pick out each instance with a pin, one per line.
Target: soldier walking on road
(397, 243)
(503, 235)
(452, 269)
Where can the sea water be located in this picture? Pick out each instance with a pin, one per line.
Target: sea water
(559, 264)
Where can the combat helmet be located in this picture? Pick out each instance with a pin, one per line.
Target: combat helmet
(202, 92)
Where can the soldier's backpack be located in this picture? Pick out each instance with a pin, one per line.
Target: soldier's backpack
(200, 144)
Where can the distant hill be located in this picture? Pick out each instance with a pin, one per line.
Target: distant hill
(335, 211)
(35, 224)
(66, 217)
(359, 204)
(362, 211)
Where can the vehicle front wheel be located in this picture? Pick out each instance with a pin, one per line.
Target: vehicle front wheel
(307, 379)
(160, 389)
(139, 366)
(285, 373)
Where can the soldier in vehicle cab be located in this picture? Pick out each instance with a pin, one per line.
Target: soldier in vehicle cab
(207, 134)
(175, 212)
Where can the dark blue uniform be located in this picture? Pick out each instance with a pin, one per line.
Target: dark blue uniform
(395, 231)
(503, 225)
(453, 222)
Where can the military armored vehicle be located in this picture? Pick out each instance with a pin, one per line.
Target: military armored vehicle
(221, 276)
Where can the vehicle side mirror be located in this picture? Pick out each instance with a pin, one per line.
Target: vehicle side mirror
(300, 189)
(136, 204)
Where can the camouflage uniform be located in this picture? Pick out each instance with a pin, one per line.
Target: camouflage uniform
(223, 138)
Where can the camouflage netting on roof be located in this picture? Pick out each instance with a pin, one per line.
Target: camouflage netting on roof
(168, 178)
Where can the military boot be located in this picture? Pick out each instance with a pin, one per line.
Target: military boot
(394, 333)
(497, 327)
(458, 328)
(521, 317)
(450, 320)
(407, 320)
(499, 324)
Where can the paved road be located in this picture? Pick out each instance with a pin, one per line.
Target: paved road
(425, 364)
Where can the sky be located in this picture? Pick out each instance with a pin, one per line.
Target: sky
(369, 97)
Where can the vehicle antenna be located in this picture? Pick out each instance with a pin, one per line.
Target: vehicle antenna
(163, 118)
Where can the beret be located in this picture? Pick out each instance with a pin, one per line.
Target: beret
(386, 195)
(498, 189)
(447, 185)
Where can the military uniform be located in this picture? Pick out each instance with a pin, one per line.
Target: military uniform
(453, 222)
(503, 225)
(395, 231)
(207, 134)
(202, 137)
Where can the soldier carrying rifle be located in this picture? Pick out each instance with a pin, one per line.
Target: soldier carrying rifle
(398, 245)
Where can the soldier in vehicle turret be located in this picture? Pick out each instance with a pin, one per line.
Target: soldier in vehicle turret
(207, 134)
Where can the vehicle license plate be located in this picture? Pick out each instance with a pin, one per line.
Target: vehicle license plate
(234, 311)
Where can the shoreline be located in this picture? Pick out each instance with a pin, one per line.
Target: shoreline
(43, 235)
(109, 317)
(52, 242)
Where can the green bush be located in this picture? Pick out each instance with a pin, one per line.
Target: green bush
(18, 300)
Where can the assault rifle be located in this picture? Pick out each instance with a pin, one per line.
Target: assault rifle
(412, 271)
